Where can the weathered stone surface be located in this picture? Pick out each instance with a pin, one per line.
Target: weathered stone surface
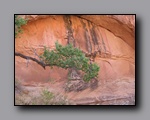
(118, 92)
(111, 37)
(120, 26)
(80, 85)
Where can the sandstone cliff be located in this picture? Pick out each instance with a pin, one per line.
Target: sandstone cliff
(108, 39)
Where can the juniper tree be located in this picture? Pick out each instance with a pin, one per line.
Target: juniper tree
(70, 57)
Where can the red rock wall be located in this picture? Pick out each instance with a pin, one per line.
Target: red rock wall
(112, 36)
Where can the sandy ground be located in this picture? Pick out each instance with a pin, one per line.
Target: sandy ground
(118, 92)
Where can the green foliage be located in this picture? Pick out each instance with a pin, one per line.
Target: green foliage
(70, 57)
(47, 96)
(18, 23)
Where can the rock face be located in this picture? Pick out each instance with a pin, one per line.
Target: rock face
(110, 37)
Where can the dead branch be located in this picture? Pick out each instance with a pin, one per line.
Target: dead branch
(41, 63)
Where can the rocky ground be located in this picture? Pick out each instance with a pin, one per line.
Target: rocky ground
(118, 92)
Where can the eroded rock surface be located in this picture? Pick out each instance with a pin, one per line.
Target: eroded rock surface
(109, 41)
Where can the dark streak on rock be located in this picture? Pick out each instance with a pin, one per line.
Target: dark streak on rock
(94, 38)
(119, 36)
(68, 25)
(104, 46)
(70, 37)
(87, 37)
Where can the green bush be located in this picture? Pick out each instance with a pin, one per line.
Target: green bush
(70, 57)
(18, 23)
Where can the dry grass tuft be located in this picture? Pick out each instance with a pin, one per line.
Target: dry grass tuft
(45, 98)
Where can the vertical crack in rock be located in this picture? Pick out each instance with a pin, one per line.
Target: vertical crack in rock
(68, 25)
(73, 73)
(103, 44)
(108, 52)
(87, 37)
(94, 38)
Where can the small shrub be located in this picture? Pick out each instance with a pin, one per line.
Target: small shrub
(45, 98)
(18, 23)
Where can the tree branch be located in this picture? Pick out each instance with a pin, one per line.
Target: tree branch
(41, 63)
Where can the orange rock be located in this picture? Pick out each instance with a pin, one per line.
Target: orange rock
(112, 37)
